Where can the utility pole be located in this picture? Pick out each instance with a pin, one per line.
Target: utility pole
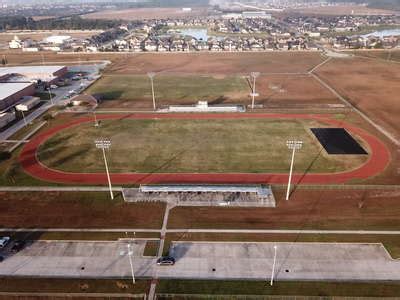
(49, 88)
(293, 145)
(151, 76)
(273, 266)
(254, 75)
(105, 144)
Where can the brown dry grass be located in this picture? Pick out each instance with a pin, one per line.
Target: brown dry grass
(216, 63)
(146, 13)
(344, 10)
(293, 91)
(370, 85)
(75, 210)
(307, 209)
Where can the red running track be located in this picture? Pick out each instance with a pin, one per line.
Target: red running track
(378, 160)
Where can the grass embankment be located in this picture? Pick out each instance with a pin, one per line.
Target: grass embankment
(384, 289)
(135, 90)
(76, 210)
(52, 285)
(78, 236)
(168, 145)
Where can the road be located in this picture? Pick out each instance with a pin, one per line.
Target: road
(58, 99)
(206, 260)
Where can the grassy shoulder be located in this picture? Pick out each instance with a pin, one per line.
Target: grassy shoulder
(76, 210)
(391, 242)
(53, 285)
(169, 145)
(79, 236)
(283, 288)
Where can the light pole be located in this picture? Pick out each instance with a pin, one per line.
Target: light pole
(293, 145)
(254, 75)
(23, 116)
(151, 76)
(273, 266)
(130, 262)
(105, 144)
(96, 124)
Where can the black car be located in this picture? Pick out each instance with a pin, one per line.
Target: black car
(166, 261)
(17, 246)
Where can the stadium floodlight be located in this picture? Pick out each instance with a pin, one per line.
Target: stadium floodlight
(273, 266)
(292, 145)
(151, 76)
(253, 94)
(130, 262)
(104, 144)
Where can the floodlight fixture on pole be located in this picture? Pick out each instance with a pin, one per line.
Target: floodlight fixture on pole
(292, 145)
(104, 144)
(273, 266)
(151, 76)
(253, 94)
(130, 262)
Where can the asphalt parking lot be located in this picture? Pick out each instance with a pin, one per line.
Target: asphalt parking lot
(76, 259)
(205, 260)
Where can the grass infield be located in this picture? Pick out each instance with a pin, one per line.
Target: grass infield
(199, 146)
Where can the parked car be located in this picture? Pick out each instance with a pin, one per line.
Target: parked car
(18, 246)
(1, 258)
(166, 261)
(4, 241)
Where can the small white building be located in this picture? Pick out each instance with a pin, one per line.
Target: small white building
(27, 103)
(15, 43)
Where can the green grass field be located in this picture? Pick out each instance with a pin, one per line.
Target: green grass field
(135, 90)
(167, 145)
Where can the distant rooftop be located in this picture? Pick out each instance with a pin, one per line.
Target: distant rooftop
(9, 89)
(29, 70)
